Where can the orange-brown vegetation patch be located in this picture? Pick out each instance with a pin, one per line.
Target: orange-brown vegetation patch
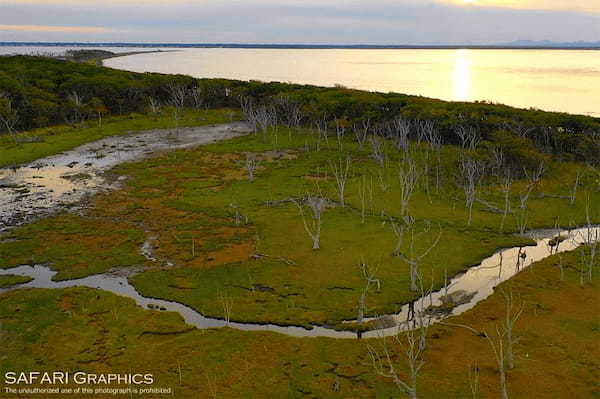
(557, 355)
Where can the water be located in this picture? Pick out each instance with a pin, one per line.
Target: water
(49, 184)
(476, 284)
(552, 80)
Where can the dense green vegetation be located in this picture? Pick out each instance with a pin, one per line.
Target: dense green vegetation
(36, 92)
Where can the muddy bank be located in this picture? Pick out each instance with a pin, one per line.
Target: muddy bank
(67, 179)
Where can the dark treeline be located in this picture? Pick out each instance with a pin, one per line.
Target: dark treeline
(38, 91)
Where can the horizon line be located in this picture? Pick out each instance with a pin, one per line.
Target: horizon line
(519, 44)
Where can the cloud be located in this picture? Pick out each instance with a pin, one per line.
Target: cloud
(566, 5)
(54, 29)
(592, 6)
(302, 21)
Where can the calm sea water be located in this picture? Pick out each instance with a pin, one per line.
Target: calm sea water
(553, 80)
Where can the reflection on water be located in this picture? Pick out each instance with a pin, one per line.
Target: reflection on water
(462, 75)
(466, 290)
(54, 182)
(553, 80)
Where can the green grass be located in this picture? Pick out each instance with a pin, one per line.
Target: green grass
(74, 246)
(47, 141)
(97, 332)
(183, 201)
(9, 281)
(194, 190)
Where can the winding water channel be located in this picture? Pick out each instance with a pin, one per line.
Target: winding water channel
(62, 180)
(52, 183)
(475, 285)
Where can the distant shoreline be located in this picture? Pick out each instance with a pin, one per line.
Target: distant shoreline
(98, 56)
(298, 46)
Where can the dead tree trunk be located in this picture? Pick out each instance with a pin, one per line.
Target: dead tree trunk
(498, 349)
(251, 166)
(385, 367)
(377, 150)
(408, 177)
(317, 205)
(573, 194)
(512, 315)
(340, 171)
(506, 191)
(411, 257)
(177, 97)
(9, 116)
(471, 173)
(369, 276)
(402, 128)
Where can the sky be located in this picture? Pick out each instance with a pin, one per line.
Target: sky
(300, 21)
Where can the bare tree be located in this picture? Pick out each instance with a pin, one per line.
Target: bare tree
(432, 136)
(291, 110)
(534, 178)
(154, 105)
(247, 106)
(497, 346)
(522, 217)
(512, 314)
(385, 367)
(469, 137)
(573, 194)
(227, 304)
(411, 256)
(321, 130)
(340, 131)
(591, 241)
(198, 98)
(377, 150)
(402, 128)
(382, 179)
(506, 191)
(362, 132)
(498, 161)
(251, 165)
(317, 205)
(340, 171)
(369, 276)
(238, 217)
(503, 344)
(471, 171)
(76, 108)
(177, 97)
(474, 380)
(9, 115)
(265, 117)
(362, 192)
(408, 177)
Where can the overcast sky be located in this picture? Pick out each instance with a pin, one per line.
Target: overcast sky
(300, 21)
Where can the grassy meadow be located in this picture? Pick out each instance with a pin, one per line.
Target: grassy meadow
(228, 236)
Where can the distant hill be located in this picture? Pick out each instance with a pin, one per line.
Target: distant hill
(551, 44)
